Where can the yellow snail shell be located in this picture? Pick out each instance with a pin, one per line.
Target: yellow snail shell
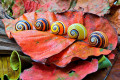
(77, 31)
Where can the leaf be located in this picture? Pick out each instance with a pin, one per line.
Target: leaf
(104, 63)
(91, 22)
(74, 71)
(67, 18)
(7, 5)
(41, 45)
(18, 61)
(82, 49)
(96, 23)
(111, 56)
(115, 19)
(48, 5)
(5, 69)
(100, 7)
(111, 2)
(18, 8)
(78, 49)
(117, 3)
(114, 73)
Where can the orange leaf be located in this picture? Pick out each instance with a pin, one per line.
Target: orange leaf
(78, 49)
(41, 45)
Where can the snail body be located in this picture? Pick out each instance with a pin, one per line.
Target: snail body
(41, 24)
(23, 25)
(98, 39)
(77, 31)
(58, 27)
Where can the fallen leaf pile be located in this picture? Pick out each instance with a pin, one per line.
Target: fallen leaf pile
(58, 57)
(99, 7)
(47, 48)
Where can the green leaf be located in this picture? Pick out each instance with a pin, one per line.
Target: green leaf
(37, 11)
(2, 1)
(71, 74)
(19, 62)
(5, 68)
(104, 63)
(15, 60)
(118, 2)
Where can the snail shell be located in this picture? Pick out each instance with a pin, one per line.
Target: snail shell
(77, 31)
(58, 27)
(41, 24)
(98, 39)
(22, 25)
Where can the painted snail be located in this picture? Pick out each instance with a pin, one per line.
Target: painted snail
(98, 39)
(58, 27)
(41, 24)
(77, 31)
(22, 25)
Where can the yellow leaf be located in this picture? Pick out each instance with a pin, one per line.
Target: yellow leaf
(5, 68)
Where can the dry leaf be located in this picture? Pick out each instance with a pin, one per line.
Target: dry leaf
(99, 7)
(115, 19)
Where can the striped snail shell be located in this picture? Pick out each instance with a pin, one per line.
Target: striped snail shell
(98, 39)
(41, 24)
(22, 25)
(77, 31)
(58, 27)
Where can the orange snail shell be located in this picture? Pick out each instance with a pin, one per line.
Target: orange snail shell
(41, 24)
(58, 27)
(23, 25)
(98, 39)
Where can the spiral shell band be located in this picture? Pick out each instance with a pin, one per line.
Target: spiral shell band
(98, 39)
(41, 24)
(22, 25)
(74, 33)
(58, 28)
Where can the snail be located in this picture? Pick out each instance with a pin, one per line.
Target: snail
(41, 24)
(22, 25)
(98, 39)
(58, 27)
(77, 31)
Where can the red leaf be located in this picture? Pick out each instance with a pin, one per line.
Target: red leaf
(111, 56)
(41, 45)
(18, 8)
(82, 49)
(78, 49)
(91, 22)
(67, 18)
(42, 72)
(96, 23)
